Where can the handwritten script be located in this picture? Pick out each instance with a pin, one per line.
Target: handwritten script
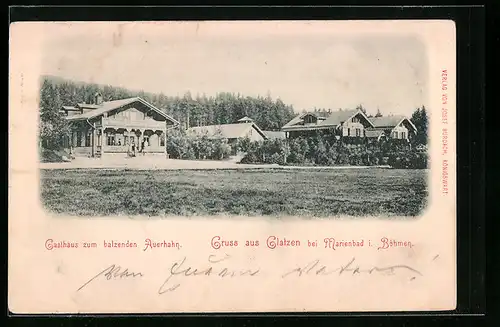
(179, 269)
(220, 267)
(112, 272)
(317, 268)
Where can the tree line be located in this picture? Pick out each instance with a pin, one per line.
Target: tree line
(189, 110)
(224, 108)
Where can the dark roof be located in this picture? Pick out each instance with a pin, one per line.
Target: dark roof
(297, 119)
(390, 121)
(387, 121)
(70, 108)
(274, 135)
(88, 106)
(335, 119)
(375, 133)
(228, 131)
(112, 105)
(338, 117)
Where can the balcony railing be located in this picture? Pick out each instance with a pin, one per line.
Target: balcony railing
(128, 124)
(126, 148)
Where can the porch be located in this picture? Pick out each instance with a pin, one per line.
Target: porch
(123, 140)
(95, 142)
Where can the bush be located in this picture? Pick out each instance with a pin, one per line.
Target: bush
(408, 160)
(49, 155)
(243, 144)
(221, 150)
(302, 151)
(329, 152)
(277, 158)
(249, 158)
(182, 146)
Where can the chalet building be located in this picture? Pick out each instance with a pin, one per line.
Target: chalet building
(117, 127)
(243, 128)
(395, 127)
(350, 123)
(343, 123)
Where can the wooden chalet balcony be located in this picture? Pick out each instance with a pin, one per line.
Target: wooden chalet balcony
(126, 148)
(127, 124)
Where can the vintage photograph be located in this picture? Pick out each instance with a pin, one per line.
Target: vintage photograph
(215, 167)
(200, 124)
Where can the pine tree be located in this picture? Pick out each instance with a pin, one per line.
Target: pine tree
(360, 107)
(420, 120)
(53, 125)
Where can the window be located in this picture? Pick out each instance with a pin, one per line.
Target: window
(395, 134)
(358, 132)
(348, 132)
(78, 138)
(111, 139)
(162, 140)
(403, 135)
(355, 120)
(309, 119)
(88, 138)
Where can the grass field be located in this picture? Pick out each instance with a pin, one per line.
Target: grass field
(352, 192)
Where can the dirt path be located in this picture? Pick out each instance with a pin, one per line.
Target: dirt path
(164, 164)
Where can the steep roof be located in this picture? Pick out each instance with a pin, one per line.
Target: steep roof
(115, 104)
(228, 131)
(387, 121)
(295, 120)
(375, 133)
(334, 119)
(391, 121)
(338, 117)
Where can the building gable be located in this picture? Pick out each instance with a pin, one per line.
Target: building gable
(309, 119)
(409, 125)
(360, 118)
(134, 112)
(111, 107)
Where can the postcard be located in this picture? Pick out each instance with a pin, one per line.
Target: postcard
(232, 166)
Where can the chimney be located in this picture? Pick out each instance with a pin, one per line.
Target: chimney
(98, 98)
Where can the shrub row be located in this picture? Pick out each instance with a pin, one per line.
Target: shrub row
(181, 146)
(316, 151)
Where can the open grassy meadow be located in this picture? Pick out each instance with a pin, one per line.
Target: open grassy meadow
(275, 192)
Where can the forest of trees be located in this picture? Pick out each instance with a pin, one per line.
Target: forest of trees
(224, 108)
(198, 110)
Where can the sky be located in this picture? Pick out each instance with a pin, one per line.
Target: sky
(324, 70)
